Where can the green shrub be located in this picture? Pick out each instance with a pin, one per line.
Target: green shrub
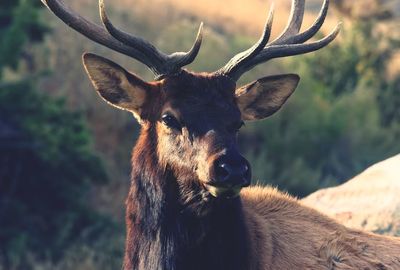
(47, 163)
(341, 119)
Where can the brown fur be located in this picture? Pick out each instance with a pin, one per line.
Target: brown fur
(285, 234)
(175, 222)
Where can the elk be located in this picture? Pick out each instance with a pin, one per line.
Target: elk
(190, 205)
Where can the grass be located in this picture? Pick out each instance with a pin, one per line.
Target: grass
(245, 17)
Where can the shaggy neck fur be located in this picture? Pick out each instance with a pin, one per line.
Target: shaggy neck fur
(162, 235)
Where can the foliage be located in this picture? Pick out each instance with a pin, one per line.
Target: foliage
(46, 174)
(47, 164)
(341, 119)
(360, 61)
(19, 23)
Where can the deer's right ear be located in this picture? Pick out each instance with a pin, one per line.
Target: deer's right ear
(115, 85)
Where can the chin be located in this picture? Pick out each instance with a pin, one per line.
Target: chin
(201, 200)
(223, 193)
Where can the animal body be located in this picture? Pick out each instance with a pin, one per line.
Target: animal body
(189, 205)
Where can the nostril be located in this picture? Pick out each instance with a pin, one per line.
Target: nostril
(222, 171)
(242, 170)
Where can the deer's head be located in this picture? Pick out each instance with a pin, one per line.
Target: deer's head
(196, 116)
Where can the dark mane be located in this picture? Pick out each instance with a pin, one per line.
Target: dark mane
(163, 234)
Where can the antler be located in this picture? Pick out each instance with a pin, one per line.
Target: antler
(289, 43)
(143, 51)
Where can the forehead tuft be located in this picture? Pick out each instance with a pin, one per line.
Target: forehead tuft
(197, 84)
(196, 88)
(200, 97)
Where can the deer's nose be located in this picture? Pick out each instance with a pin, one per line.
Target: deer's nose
(231, 171)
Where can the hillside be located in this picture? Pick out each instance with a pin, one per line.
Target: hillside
(171, 25)
(239, 16)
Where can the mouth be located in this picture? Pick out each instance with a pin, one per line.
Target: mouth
(223, 192)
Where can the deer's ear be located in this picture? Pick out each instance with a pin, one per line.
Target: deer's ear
(265, 96)
(115, 85)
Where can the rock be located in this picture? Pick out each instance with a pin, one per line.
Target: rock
(370, 201)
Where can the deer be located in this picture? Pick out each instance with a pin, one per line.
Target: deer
(190, 203)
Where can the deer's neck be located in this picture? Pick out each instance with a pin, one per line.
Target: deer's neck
(160, 235)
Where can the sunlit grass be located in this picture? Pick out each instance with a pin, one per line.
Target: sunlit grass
(246, 17)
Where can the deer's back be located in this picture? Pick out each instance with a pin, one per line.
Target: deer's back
(288, 235)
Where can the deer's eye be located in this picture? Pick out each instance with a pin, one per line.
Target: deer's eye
(170, 121)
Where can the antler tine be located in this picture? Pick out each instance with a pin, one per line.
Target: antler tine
(148, 49)
(289, 43)
(168, 64)
(185, 58)
(143, 51)
(91, 30)
(295, 21)
(277, 51)
(310, 32)
(243, 57)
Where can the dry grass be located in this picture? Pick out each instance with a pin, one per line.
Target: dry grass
(394, 67)
(237, 16)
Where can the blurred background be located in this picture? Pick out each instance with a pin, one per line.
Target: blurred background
(65, 154)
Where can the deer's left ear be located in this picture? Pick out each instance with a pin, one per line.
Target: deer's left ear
(265, 96)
